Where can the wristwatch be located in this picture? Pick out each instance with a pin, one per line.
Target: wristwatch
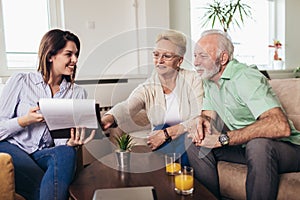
(168, 138)
(224, 139)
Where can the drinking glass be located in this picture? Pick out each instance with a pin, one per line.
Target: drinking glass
(173, 163)
(184, 181)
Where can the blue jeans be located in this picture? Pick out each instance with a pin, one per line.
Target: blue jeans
(45, 174)
(175, 146)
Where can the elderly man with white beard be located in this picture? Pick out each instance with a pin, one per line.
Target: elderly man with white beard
(256, 131)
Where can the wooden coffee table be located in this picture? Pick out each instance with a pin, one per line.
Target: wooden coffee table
(146, 169)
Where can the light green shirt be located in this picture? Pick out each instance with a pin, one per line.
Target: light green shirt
(244, 94)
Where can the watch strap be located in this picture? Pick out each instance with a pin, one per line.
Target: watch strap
(167, 136)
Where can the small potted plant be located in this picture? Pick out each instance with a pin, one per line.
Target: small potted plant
(277, 60)
(297, 72)
(124, 144)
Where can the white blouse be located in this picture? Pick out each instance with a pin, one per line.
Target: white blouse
(172, 115)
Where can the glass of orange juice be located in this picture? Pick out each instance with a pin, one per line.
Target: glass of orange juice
(184, 181)
(173, 163)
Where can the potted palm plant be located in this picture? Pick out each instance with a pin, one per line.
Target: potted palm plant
(124, 144)
(227, 13)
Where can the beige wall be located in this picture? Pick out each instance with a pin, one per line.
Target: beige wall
(180, 15)
(292, 40)
(107, 30)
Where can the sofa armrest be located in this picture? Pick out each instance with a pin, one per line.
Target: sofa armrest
(7, 179)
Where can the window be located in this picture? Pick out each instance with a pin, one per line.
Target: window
(24, 24)
(251, 41)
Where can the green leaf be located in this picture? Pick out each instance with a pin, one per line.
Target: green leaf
(124, 142)
(228, 14)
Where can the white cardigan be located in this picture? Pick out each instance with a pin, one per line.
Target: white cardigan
(150, 97)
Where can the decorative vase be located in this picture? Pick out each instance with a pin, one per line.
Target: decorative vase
(123, 158)
(278, 64)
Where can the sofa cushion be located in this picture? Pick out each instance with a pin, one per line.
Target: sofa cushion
(288, 92)
(232, 179)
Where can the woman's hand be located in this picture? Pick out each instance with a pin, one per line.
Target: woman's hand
(107, 121)
(32, 117)
(155, 139)
(78, 138)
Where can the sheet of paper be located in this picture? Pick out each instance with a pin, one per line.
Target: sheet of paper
(68, 113)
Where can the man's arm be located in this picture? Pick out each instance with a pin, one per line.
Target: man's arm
(271, 124)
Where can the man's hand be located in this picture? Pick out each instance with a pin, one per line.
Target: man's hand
(78, 138)
(32, 117)
(210, 141)
(205, 134)
(197, 129)
(155, 139)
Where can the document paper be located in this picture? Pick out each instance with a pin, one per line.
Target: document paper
(68, 113)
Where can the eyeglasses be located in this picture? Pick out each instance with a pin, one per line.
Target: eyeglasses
(164, 56)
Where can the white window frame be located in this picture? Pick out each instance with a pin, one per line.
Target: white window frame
(55, 13)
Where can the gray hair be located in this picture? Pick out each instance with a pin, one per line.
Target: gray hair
(224, 41)
(176, 38)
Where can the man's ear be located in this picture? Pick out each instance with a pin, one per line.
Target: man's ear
(224, 58)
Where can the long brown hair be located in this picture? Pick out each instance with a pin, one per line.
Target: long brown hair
(53, 41)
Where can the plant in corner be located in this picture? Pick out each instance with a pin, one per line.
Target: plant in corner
(227, 13)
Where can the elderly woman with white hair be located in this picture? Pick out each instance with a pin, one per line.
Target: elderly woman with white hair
(170, 97)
